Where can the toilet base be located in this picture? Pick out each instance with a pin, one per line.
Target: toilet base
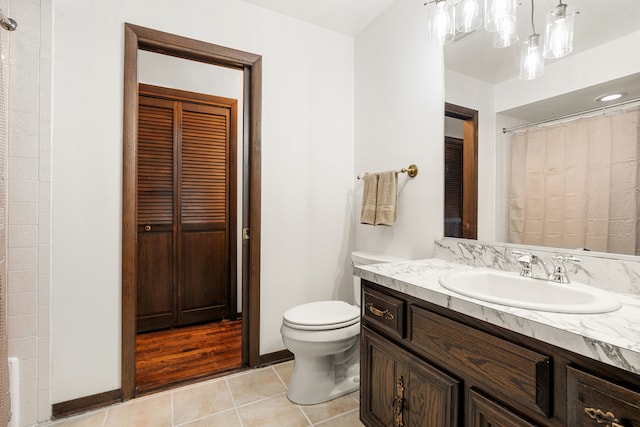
(319, 380)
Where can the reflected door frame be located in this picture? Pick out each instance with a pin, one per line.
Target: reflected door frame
(141, 38)
(469, 167)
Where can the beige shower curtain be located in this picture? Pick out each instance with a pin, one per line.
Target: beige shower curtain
(575, 185)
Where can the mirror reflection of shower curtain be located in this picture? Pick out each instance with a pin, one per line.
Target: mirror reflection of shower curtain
(575, 185)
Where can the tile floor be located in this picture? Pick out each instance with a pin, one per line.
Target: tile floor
(254, 398)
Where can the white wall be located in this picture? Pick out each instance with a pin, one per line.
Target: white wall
(307, 169)
(475, 94)
(399, 121)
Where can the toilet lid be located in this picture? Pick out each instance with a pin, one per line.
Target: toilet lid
(322, 315)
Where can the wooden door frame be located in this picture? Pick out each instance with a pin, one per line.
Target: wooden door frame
(141, 38)
(469, 167)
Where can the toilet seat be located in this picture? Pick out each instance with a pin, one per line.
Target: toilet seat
(322, 315)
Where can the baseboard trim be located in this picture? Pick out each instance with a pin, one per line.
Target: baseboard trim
(82, 404)
(275, 357)
(100, 400)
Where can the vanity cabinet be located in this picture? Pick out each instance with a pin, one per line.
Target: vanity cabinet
(403, 390)
(425, 365)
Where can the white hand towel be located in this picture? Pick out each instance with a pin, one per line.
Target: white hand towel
(369, 198)
(387, 198)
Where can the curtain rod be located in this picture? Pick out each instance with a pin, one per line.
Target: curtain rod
(568, 116)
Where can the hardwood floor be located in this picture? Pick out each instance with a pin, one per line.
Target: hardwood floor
(176, 355)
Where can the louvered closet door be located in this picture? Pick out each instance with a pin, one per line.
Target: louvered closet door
(156, 251)
(186, 211)
(205, 290)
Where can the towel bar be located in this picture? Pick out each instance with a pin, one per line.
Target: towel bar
(412, 171)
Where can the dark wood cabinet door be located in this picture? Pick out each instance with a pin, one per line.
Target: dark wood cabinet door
(398, 389)
(378, 379)
(484, 412)
(432, 396)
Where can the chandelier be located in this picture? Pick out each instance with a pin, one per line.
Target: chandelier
(448, 19)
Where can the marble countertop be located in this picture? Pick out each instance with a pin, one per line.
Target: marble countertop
(612, 338)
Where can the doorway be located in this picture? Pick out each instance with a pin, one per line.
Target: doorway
(186, 224)
(461, 172)
(144, 39)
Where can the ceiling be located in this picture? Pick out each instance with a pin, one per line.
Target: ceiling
(345, 16)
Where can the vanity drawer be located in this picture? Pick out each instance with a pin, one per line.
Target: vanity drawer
(384, 310)
(513, 373)
(594, 401)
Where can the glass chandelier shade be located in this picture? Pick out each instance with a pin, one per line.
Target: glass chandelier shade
(468, 16)
(507, 35)
(558, 35)
(531, 59)
(496, 12)
(441, 21)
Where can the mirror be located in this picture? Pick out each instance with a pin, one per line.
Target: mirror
(485, 78)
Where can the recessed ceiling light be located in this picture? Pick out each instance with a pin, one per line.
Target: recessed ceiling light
(609, 97)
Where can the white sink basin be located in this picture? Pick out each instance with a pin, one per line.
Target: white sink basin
(516, 291)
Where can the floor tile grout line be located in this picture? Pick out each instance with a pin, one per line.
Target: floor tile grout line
(262, 399)
(183, 423)
(173, 419)
(286, 386)
(305, 415)
(233, 400)
(342, 414)
(238, 416)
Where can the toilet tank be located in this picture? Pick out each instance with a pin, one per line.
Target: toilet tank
(366, 258)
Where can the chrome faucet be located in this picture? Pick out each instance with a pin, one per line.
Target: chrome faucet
(527, 260)
(559, 275)
(560, 271)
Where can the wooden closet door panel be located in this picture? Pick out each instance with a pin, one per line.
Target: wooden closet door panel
(155, 161)
(156, 295)
(156, 250)
(204, 214)
(204, 167)
(205, 290)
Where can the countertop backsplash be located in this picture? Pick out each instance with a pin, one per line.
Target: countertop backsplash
(618, 273)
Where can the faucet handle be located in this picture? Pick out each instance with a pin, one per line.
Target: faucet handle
(521, 254)
(564, 258)
(526, 260)
(560, 272)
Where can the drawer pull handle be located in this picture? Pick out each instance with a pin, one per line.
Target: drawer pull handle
(377, 312)
(602, 417)
(147, 228)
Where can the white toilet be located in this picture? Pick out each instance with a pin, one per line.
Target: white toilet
(324, 339)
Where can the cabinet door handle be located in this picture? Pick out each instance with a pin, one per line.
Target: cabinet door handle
(147, 228)
(398, 403)
(602, 417)
(377, 312)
